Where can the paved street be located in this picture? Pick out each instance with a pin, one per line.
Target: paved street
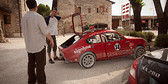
(13, 67)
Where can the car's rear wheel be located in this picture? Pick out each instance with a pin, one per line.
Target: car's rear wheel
(139, 51)
(87, 60)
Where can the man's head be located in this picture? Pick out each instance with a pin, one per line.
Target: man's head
(53, 12)
(31, 4)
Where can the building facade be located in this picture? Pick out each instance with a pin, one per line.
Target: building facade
(11, 12)
(92, 11)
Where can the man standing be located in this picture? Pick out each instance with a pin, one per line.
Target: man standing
(35, 31)
(52, 22)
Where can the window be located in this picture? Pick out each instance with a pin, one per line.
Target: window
(111, 37)
(102, 10)
(71, 41)
(7, 19)
(106, 10)
(97, 10)
(76, 38)
(89, 10)
(160, 54)
(104, 39)
(93, 39)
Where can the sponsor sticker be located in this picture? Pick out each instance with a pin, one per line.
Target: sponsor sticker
(117, 46)
(131, 45)
(83, 48)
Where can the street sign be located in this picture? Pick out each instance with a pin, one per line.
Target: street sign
(126, 12)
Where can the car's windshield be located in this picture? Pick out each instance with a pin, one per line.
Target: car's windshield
(160, 54)
(77, 38)
(71, 41)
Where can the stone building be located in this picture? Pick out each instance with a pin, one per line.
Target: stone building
(11, 12)
(92, 11)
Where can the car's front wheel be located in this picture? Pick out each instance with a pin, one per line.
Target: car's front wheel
(87, 60)
(139, 51)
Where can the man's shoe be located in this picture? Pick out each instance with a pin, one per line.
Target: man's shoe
(51, 61)
(56, 58)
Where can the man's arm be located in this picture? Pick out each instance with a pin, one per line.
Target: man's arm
(43, 28)
(66, 17)
(51, 40)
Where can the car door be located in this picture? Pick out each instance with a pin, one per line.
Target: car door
(77, 24)
(97, 46)
(115, 45)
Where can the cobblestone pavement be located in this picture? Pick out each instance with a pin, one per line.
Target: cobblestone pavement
(13, 67)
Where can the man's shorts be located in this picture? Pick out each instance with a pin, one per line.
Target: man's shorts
(49, 45)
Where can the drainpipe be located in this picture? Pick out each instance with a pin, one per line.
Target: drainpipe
(20, 11)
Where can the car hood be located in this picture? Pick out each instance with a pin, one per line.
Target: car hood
(131, 37)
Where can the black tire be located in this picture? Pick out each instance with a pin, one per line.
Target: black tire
(87, 60)
(139, 51)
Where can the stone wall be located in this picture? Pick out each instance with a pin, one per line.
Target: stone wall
(95, 11)
(15, 9)
(92, 11)
(65, 8)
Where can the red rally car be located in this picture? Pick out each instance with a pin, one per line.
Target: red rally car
(98, 44)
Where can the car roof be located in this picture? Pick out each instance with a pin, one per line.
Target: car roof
(99, 32)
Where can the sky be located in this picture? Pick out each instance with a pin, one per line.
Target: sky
(45, 2)
(147, 10)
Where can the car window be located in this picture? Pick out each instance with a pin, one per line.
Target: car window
(112, 37)
(104, 39)
(156, 54)
(76, 38)
(94, 39)
(159, 54)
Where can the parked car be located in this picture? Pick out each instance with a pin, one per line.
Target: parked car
(120, 28)
(98, 44)
(151, 68)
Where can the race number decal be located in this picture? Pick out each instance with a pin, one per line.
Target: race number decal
(117, 46)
